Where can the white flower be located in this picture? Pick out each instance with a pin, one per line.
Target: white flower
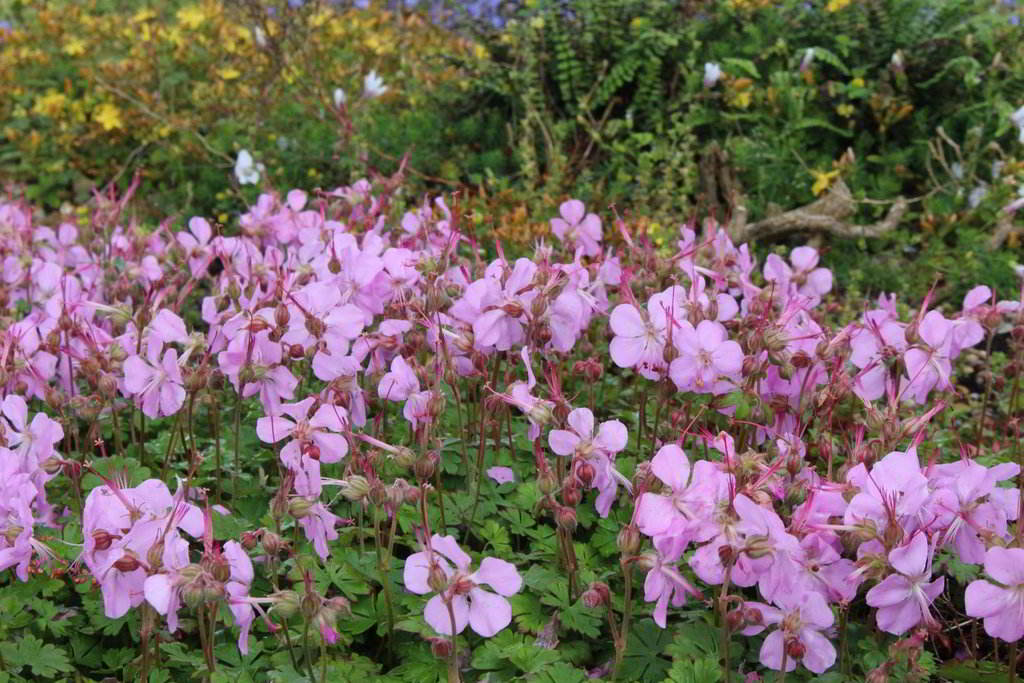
(246, 170)
(373, 85)
(1018, 120)
(339, 97)
(712, 72)
(259, 36)
(805, 63)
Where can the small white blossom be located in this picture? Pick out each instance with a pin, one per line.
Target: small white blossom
(373, 85)
(246, 170)
(712, 72)
(339, 97)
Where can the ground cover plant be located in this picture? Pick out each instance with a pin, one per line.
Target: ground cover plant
(353, 442)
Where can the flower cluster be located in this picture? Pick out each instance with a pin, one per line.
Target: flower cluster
(329, 318)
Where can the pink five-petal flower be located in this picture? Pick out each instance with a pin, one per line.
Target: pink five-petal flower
(577, 229)
(903, 597)
(314, 440)
(637, 342)
(801, 616)
(486, 613)
(610, 439)
(196, 243)
(156, 382)
(1001, 606)
(683, 509)
(400, 383)
(707, 356)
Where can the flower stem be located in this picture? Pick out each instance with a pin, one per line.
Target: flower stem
(453, 658)
(627, 612)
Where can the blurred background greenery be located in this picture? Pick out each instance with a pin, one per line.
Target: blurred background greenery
(641, 105)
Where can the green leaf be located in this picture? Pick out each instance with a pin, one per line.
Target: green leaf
(44, 659)
(741, 65)
(645, 659)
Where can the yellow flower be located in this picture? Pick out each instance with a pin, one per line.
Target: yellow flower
(228, 73)
(857, 82)
(74, 47)
(823, 180)
(108, 116)
(845, 110)
(836, 5)
(143, 15)
(51, 104)
(192, 17)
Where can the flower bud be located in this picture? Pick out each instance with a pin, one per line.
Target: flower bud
(759, 546)
(108, 385)
(282, 315)
(340, 606)
(425, 466)
(628, 540)
(734, 620)
(52, 465)
(285, 603)
(565, 517)
(299, 507)
(795, 650)
(250, 539)
(102, 540)
(272, 543)
(571, 494)
(752, 616)
(155, 556)
(440, 647)
(355, 488)
(405, 456)
(129, 562)
(585, 472)
(437, 579)
(597, 594)
(547, 482)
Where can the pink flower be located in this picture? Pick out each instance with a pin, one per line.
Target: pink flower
(579, 230)
(1001, 606)
(431, 571)
(501, 475)
(314, 439)
(400, 383)
(596, 452)
(611, 435)
(800, 618)
(804, 278)
(196, 244)
(684, 509)
(664, 583)
(707, 357)
(156, 383)
(927, 363)
(903, 598)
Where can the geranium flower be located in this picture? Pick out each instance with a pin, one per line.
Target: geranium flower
(800, 618)
(903, 597)
(155, 382)
(1001, 606)
(707, 357)
(583, 231)
(431, 571)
